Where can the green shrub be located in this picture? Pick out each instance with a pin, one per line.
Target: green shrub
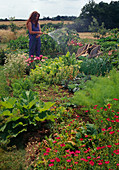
(20, 85)
(3, 26)
(96, 66)
(2, 57)
(20, 43)
(15, 65)
(99, 90)
(17, 115)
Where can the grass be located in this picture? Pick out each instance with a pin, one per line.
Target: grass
(12, 160)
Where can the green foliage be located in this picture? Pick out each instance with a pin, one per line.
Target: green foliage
(76, 83)
(96, 66)
(2, 56)
(4, 88)
(49, 46)
(3, 26)
(20, 85)
(20, 43)
(18, 114)
(98, 91)
(55, 70)
(99, 30)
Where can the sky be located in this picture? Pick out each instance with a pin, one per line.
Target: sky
(21, 9)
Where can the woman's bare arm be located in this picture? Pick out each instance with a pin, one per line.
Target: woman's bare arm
(33, 32)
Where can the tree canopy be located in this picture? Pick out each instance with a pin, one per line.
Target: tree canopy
(103, 12)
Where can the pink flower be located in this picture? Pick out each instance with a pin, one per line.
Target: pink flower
(52, 160)
(106, 162)
(57, 159)
(88, 157)
(77, 151)
(57, 137)
(68, 160)
(109, 146)
(62, 144)
(67, 150)
(91, 163)
(83, 159)
(46, 57)
(116, 143)
(80, 44)
(48, 149)
(98, 110)
(117, 164)
(54, 141)
(103, 129)
(51, 164)
(111, 132)
(31, 55)
(108, 119)
(41, 56)
(100, 163)
(115, 99)
(76, 162)
(110, 53)
(39, 65)
(42, 60)
(45, 154)
(86, 136)
(109, 128)
(86, 111)
(72, 152)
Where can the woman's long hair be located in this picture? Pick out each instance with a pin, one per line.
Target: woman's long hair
(33, 18)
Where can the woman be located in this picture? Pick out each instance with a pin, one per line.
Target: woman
(34, 34)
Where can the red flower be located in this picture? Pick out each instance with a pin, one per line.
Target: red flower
(81, 139)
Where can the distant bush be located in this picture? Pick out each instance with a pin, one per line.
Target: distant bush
(3, 26)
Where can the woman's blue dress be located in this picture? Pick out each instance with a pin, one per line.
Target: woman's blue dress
(34, 43)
